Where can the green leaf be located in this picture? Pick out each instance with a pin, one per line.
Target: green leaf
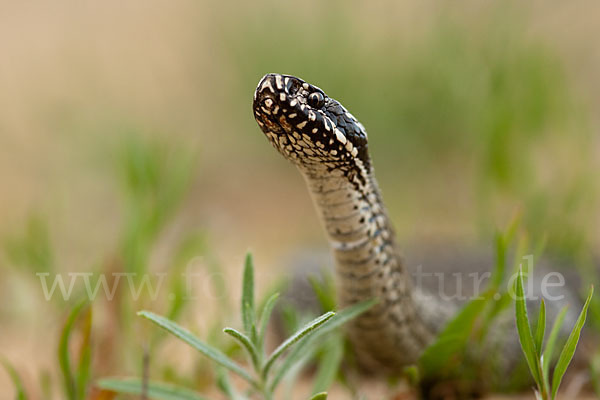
(319, 396)
(252, 318)
(247, 344)
(324, 290)
(64, 360)
(14, 376)
(265, 316)
(225, 385)
(500, 266)
(524, 329)
(551, 343)
(522, 259)
(452, 339)
(156, 390)
(247, 306)
(214, 354)
(502, 301)
(569, 349)
(344, 316)
(85, 355)
(304, 349)
(329, 363)
(300, 334)
(540, 329)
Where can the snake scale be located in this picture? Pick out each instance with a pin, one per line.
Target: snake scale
(329, 146)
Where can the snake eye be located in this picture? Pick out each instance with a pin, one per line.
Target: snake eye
(316, 100)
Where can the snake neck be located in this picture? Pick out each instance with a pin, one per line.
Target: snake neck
(392, 334)
(329, 146)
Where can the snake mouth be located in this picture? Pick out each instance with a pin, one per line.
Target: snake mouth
(281, 103)
(285, 109)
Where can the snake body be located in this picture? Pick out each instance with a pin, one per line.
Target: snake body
(329, 147)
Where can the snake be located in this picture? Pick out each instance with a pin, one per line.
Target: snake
(329, 147)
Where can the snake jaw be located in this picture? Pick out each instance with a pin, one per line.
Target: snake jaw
(306, 126)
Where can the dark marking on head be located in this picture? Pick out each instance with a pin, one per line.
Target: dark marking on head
(307, 127)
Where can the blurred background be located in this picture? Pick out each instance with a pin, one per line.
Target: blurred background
(127, 143)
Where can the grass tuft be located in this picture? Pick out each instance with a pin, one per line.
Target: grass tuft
(268, 369)
(538, 361)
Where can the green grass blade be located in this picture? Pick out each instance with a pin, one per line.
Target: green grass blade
(452, 339)
(85, 355)
(522, 258)
(569, 349)
(64, 359)
(319, 396)
(305, 348)
(324, 290)
(329, 364)
(247, 344)
(524, 329)
(247, 306)
(251, 317)
(16, 379)
(541, 328)
(225, 385)
(265, 316)
(156, 390)
(551, 343)
(500, 266)
(345, 315)
(300, 334)
(492, 310)
(214, 354)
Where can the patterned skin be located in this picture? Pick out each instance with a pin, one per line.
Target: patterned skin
(329, 147)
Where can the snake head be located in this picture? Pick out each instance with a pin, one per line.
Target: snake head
(306, 126)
